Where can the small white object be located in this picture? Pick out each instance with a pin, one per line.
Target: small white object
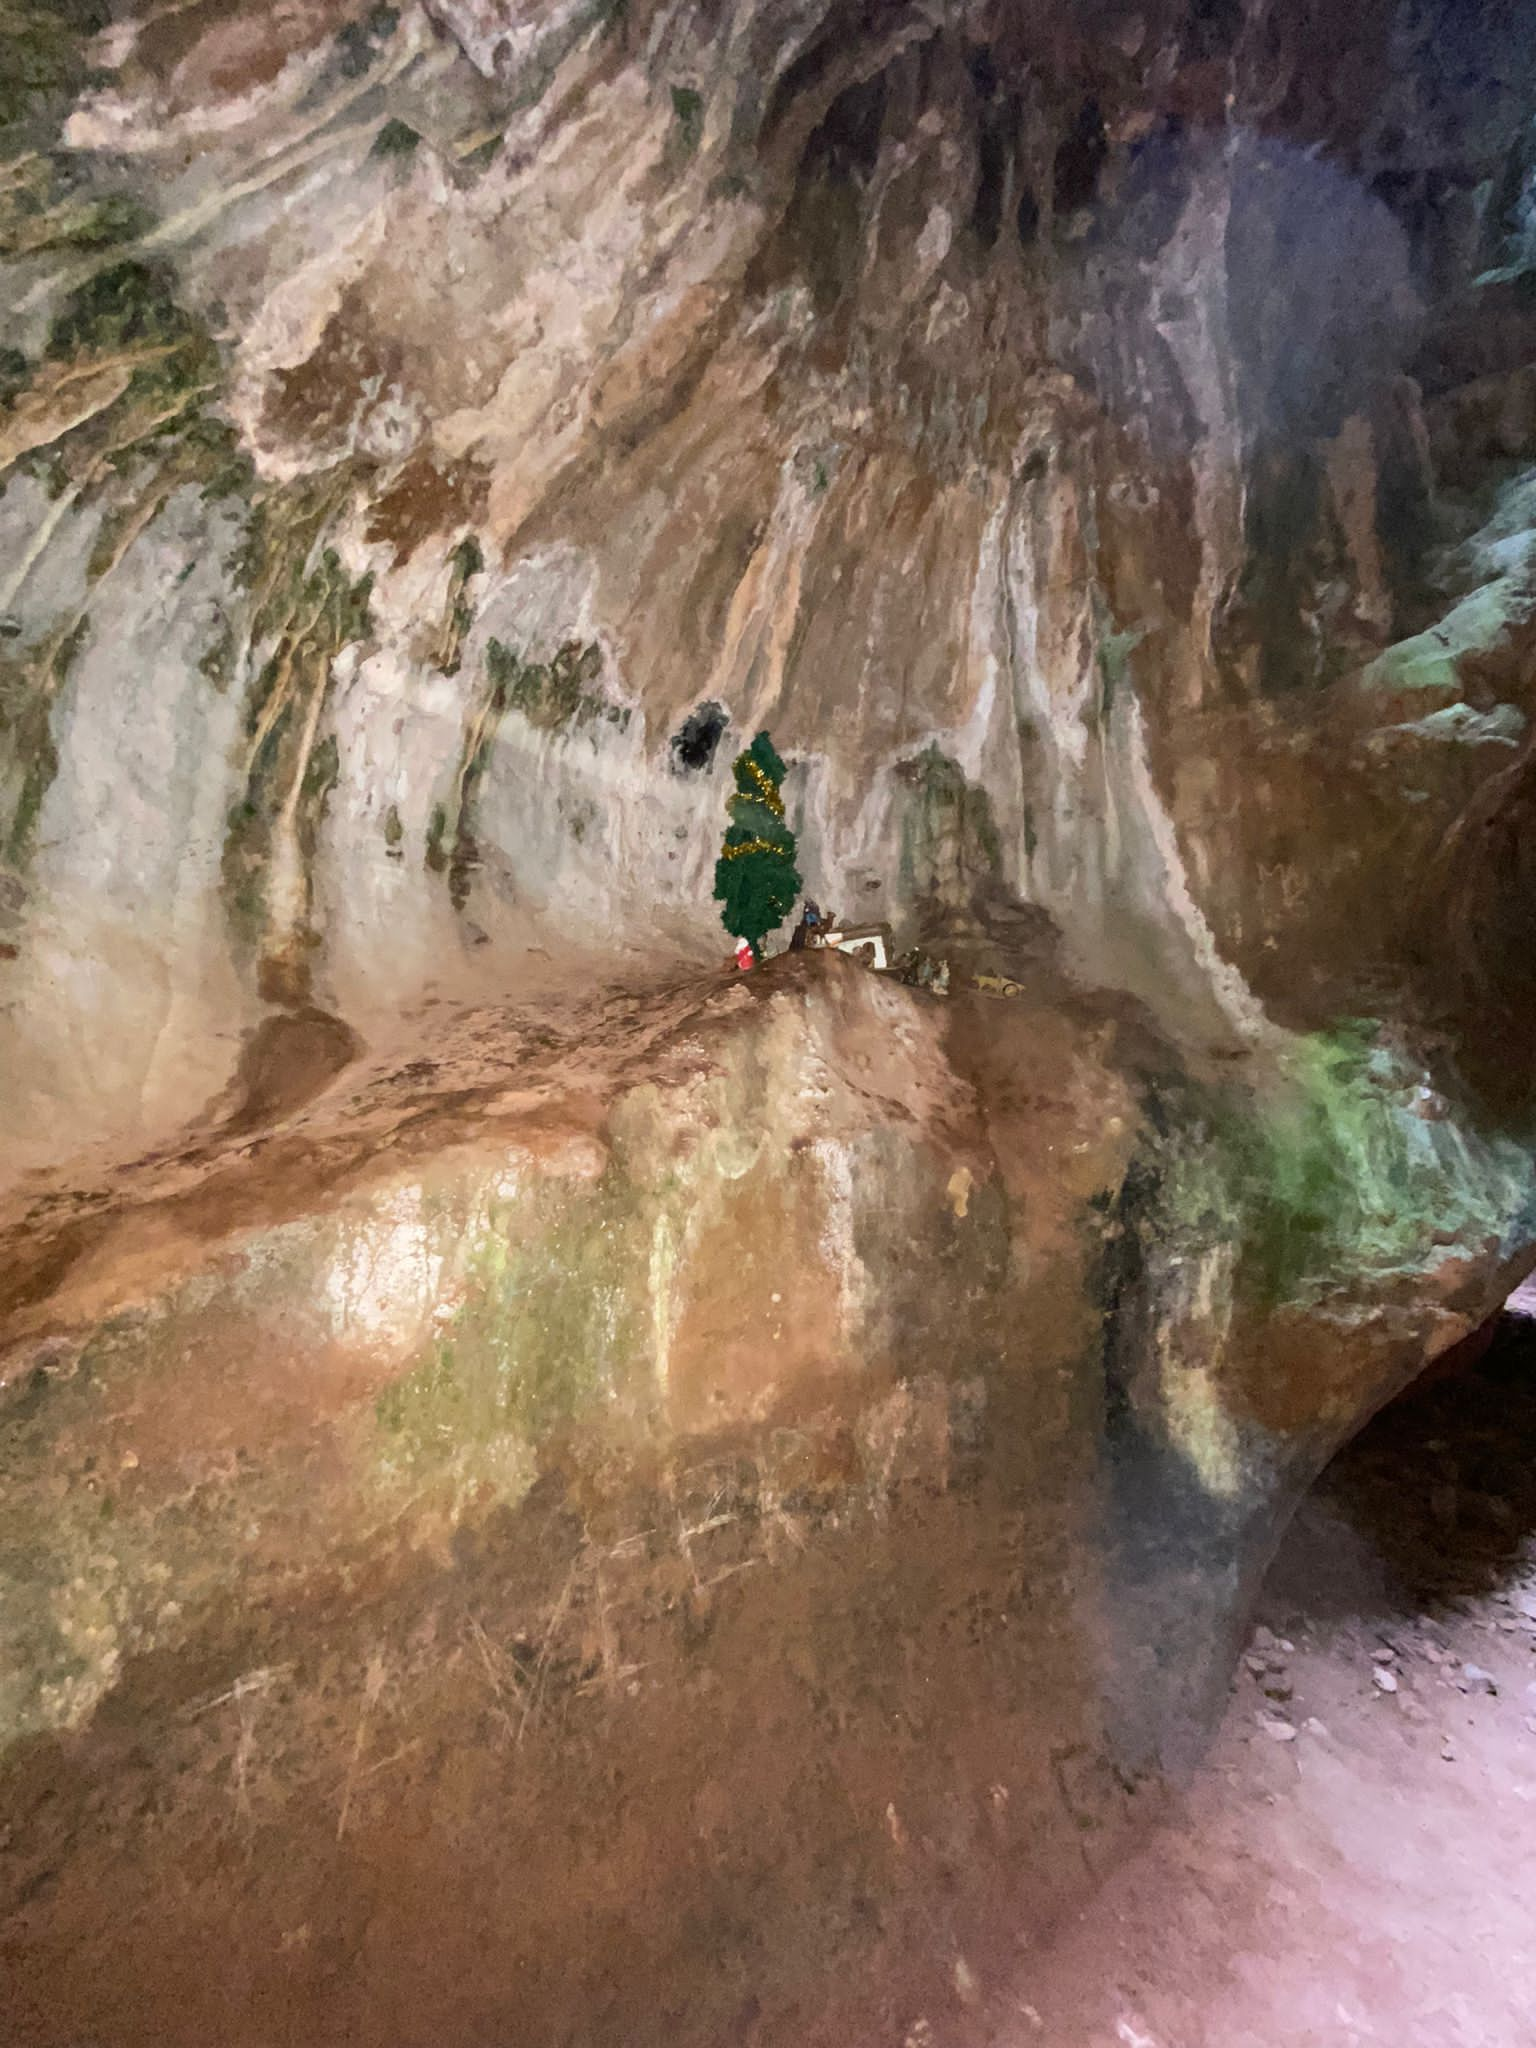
(1386, 1681)
(867, 942)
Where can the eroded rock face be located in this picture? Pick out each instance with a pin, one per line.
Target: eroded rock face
(1100, 448)
(425, 411)
(681, 1504)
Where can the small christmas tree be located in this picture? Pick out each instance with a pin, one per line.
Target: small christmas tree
(755, 877)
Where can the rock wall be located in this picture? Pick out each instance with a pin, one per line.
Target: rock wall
(724, 1520)
(1100, 443)
(429, 409)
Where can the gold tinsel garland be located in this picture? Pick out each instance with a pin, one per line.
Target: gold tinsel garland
(749, 846)
(771, 799)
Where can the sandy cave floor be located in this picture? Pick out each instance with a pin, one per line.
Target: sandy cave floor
(1356, 1864)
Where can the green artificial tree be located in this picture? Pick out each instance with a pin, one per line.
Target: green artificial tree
(755, 877)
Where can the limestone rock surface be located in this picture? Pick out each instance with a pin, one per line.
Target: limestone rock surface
(624, 1501)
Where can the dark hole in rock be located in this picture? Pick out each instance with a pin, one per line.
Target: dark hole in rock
(1434, 1496)
(803, 76)
(1027, 219)
(1401, 191)
(1213, 26)
(983, 72)
(1155, 189)
(987, 213)
(847, 141)
(1391, 140)
(695, 741)
(1080, 159)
